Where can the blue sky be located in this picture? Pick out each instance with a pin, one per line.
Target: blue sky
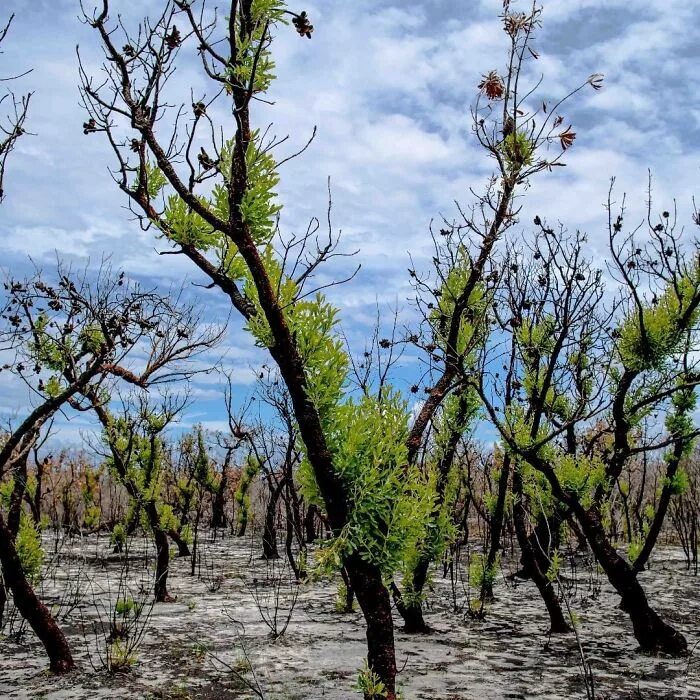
(388, 85)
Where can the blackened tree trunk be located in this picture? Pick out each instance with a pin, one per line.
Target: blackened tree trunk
(269, 540)
(183, 549)
(664, 501)
(412, 612)
(532, 564)
(162, 555)
(218, 506)
(349, 592)
(310, 523)
(3, 599)
(374, 600)
(653, 634)
(496, 526)
(31, 608)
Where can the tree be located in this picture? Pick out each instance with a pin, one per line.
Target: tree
(524, 141)
(588, 373)
(220, 211)
(74, 338)
(12, 121)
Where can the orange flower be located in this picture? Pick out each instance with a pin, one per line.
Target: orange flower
(492, 86)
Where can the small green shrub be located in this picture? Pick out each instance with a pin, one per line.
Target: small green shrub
(369, 683)
(481, 575)
(29, 551)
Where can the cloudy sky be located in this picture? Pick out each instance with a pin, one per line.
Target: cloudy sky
(388, 84)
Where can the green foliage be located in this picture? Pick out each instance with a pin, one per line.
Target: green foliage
(155, 180)
(518, 149)
(167, 518)
(472, 329)
(369, 683)
(92, 517)
(121, 656)
(341, 598)
(389, 501)
(53, 386)
(6, 489)
(187, 227)
(91, 339)
(650, 338)
(679, 483)
(580, 475)
(118, 536)
(634, 550)
(29, 550)
(554, 566)
(253, 54)
(241, 497)
(127, 606)
(480, 574)
(258, 208)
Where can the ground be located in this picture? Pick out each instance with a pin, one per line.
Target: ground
(212, 642)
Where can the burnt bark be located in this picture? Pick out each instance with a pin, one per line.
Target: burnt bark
(269, 539)
(653, 634)
(496, 525)
(160, 588)
(183, 549)
(532, 564)
(310, 523)
(31, 608)
(661, 510)
(218, 506)
(374, 600)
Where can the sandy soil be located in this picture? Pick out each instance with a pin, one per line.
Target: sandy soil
(212, 641)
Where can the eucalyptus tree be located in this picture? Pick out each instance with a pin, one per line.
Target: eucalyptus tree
(64, 338)
(589, 371)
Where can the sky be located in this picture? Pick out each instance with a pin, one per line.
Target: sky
(388, 85)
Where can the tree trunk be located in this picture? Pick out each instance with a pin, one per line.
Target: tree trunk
(218, 506)
(310, 523)
(532, 563)
(269, 539)
(497, 525)
(374, 600)
(183, 549)
(653, 634)
(661, 510)
(349, 592)
(31, 608)
(160, 588)
(412, 611)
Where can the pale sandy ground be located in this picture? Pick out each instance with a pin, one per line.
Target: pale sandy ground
(188, 644)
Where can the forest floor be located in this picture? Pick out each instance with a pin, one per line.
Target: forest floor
(212, 642)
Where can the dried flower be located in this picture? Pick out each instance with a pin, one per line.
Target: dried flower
(174, 39)
(596, 81)
(516, 22)
(492, 86)
(302, 25)
(567, 138)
